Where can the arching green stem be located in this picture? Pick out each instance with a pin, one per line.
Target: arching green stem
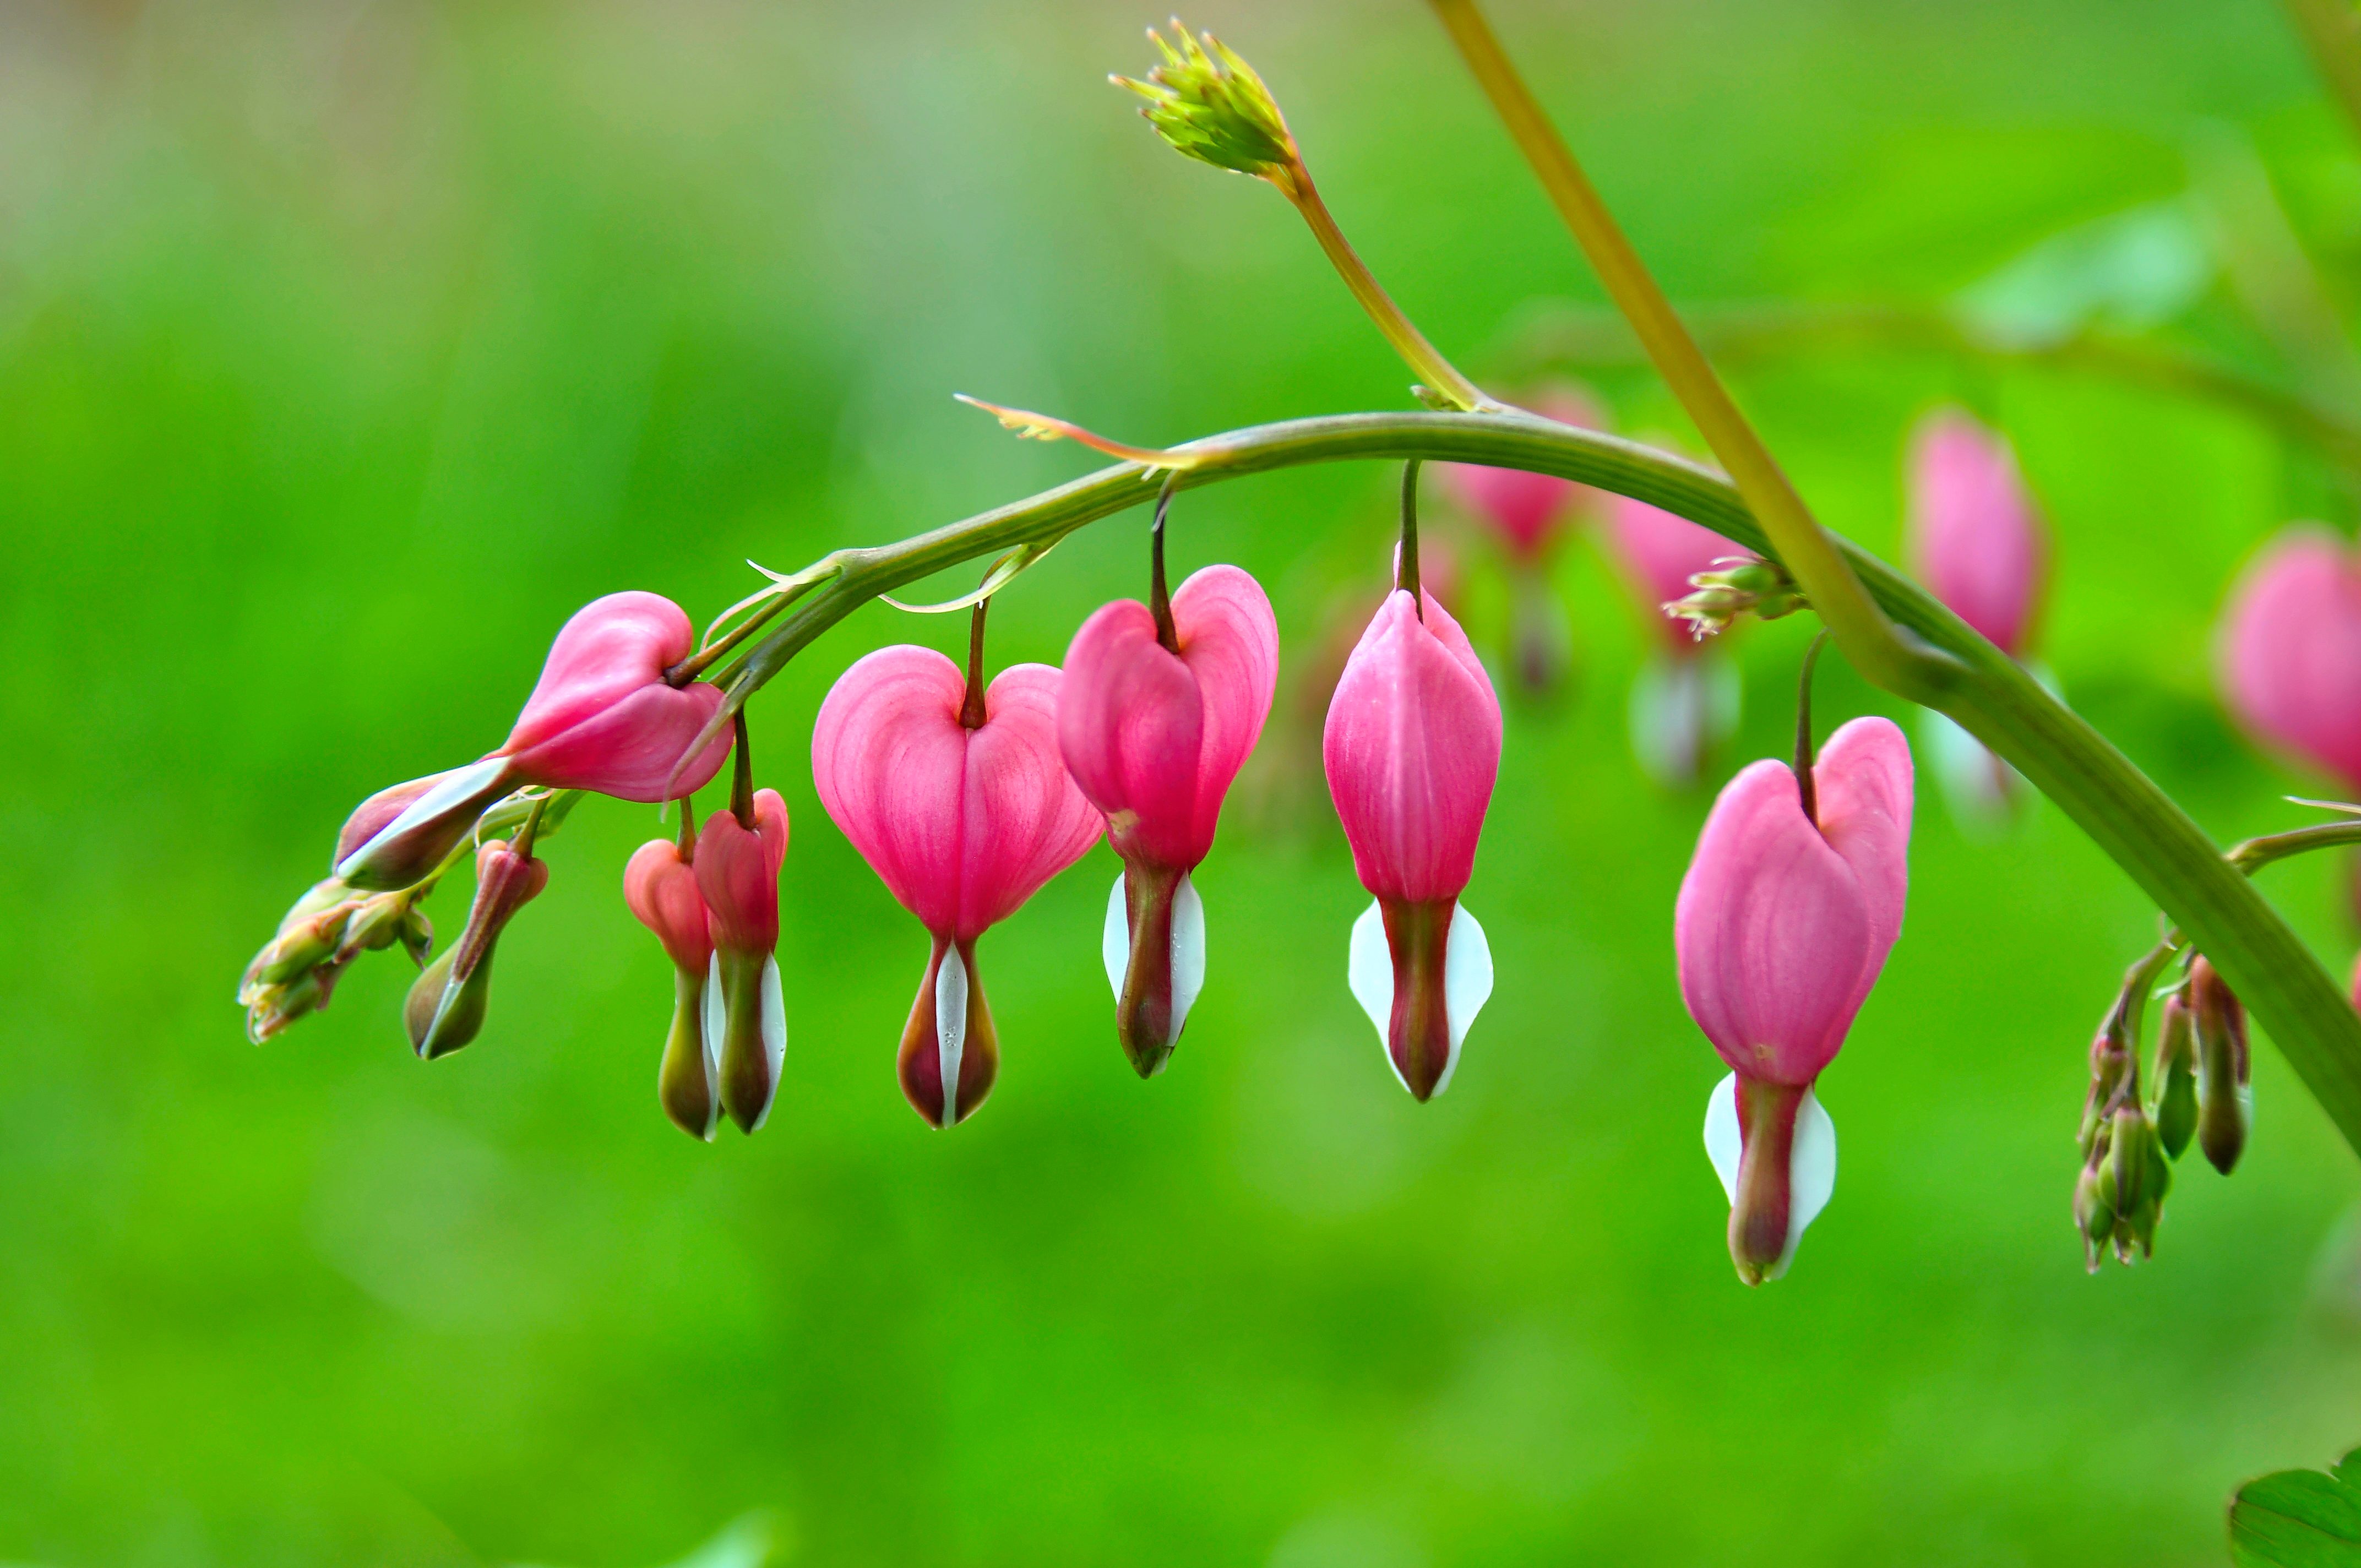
(2135, 823)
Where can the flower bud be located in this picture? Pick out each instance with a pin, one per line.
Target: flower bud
(2094, 1210)
(661, 889)
(2176, 1075)
(2224, 1098)
(297, 969)
(1760, 587)
(400, 836)
(737, 875)
(1972, 535)
(446, 1007)
(2141, 1176)
(1207, 103)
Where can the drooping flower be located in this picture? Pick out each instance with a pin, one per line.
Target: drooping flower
(660, 887)
(602, 718)
(2291, 650)
(1783, 925)
(445, 1006)
(1972, 535)
(1684, 700)
(745, 1014)
(1412, 746)
(1153, 736)
(958, 799)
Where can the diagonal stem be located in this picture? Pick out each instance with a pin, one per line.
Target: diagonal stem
(2134, 822)
(2332, 31)
(1862, 630)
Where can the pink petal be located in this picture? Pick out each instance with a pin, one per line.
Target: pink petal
(1412, 746)
(662, 893)
(1864, 780)
(1660, 552)
(2290, 649)
(630, 748)
(1526, 510)
(1974, 537)
(1771, 932)
(1229, 639)
(737, 875)
(889, 760)
(610, 648)
(1130, 727)
(1024, 820)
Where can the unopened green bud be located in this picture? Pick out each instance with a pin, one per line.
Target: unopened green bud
(2110, 1063)
(2094, 1211)
(445, 1006)
(1208, 103)
(2176, 1076)
(2224, 1098)
(2141, 1178)
(1748, 587)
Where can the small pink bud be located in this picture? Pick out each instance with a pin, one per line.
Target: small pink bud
(399, 836)
(1781, 927)
(1412, 746)
(1974, 539)
(602, 717)
(962, 826)
(2290, 649)
(661, 889)
(1658, 552)
(738, 874)
(1153, 740)
(446, 1007)
(1526, 511)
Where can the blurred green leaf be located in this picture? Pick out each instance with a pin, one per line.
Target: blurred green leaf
(2299, 1518)
(2133, 268)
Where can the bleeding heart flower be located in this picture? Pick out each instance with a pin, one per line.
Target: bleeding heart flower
(1781, 927)
(1972, 536)
(2290, 649)
(660, 887)
(1685, 701)
(964, 809)
(737, 875)
(1412, 746)
(603, 718)
(1153, 737)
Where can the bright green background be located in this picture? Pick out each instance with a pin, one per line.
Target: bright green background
(343, 350)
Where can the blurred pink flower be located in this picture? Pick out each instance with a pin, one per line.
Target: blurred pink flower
(2289, 649)
(1974, 537)
(1153, 739)
(1411, 746)
(962, 825)
(1659, 552)
(1525, 510)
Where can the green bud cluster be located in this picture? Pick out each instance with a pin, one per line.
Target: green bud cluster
(334, 923)
(1760, 587)
(1208, 103)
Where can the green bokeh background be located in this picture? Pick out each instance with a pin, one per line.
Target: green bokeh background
(345, 349)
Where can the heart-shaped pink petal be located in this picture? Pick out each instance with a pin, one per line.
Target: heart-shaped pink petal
(2290, 649)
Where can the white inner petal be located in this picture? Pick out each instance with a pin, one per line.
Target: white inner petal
(1466, 983)
(1811, 1168)
(1188, 953)
(950, 1027)
(717, 1019)
(774, 1030)
(1370, 970)
(1115, 941)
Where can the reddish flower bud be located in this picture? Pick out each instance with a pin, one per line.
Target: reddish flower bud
(2290, 653)
(398, 837)
(1412, 745)
(2225, 1067)
(446, 1007)
(1153, 740)
(961, 824)
(661, 889)
(737, 875)
(1783, 925)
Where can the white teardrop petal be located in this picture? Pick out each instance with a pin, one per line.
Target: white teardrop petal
(1188, 953)
(1466, 983)
(1723, 1142)
(774, 1020)
(1812, 1162)
(716, 1018)
(1370, 970)
(950, 1027)
(1115, 941)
